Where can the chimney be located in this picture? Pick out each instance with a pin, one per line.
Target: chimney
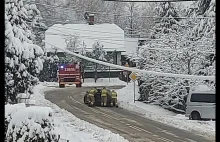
(91, 19)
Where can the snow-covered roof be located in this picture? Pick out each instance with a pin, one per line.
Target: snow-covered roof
(110, 35)
(131, 45)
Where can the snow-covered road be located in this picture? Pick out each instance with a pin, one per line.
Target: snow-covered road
(154, 112)
(72, 128)
(76, 130)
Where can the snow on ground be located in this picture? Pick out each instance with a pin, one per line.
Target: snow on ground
(103, 81)
(91, 82)
(157, 113)
(72, 128)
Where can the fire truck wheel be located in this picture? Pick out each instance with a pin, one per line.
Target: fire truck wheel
(78, 85)
(62, 85)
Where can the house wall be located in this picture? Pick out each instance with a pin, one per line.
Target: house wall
(118, 62)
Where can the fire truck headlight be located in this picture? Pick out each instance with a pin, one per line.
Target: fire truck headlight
(61, 67)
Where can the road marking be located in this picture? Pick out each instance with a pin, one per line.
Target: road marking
(134, 127)
(162, 138)
(169, 133)
(190, 140)
(76, 108)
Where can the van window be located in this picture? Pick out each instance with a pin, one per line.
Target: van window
(206, 98)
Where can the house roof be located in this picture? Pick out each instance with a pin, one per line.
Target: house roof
(131, 45)
(110, 35)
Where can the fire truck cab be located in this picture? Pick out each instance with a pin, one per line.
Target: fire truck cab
(69, 74)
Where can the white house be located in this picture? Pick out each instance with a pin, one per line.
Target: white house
(110, 35)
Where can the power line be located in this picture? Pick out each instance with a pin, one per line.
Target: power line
(175, 50)
(63, 22)
(193, 77)
(98, 32)
(119, 15)
(104, 37)
(101, 39)
(151, 0)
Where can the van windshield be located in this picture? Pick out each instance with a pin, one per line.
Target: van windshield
(206, 98)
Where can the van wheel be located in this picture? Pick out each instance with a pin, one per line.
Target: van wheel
(195, 115)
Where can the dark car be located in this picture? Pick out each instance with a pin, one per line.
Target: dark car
(98, 98)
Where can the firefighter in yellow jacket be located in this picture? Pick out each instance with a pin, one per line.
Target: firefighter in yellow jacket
(104, 94)
(92, 93)
(114, 98)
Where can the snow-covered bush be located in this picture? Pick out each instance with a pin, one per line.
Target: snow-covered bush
(23, 59)
(32, 124)
(164, 91)
(10, 110)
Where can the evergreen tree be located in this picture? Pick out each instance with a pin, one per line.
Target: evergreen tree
(49, 71)
(186, 49)
(168, 21)
(23, 59)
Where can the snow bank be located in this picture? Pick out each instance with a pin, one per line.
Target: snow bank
(91, 82)
(72, 128)
(126, 101)
(103, 82)
(11, 109)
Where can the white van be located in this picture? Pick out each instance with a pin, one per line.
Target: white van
(200, 105)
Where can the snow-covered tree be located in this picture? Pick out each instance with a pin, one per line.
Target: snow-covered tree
(38, 28)
(73, 42)
(32, 124)
(54, 12)
(168, 20)
(49, 71)
(23, 59)
(97, 53)
(132, 22)
(188, 48)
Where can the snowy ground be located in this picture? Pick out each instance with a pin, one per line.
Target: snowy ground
(70, 127)
(91, 82)
(126, 101)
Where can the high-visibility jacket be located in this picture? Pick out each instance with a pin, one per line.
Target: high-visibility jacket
(104, 93)
(92, 92)
(114, 95)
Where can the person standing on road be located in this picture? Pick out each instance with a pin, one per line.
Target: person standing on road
(114, 98)
(104, 94)
(92, 93)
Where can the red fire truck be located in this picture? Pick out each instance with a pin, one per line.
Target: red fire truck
(69, 74)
